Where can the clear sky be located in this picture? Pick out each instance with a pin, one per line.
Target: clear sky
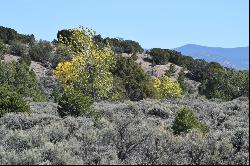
(153, 23)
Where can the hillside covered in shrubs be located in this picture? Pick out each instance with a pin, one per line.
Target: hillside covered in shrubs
(84, 99)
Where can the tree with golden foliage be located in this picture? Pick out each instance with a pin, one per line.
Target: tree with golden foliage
(90, 64)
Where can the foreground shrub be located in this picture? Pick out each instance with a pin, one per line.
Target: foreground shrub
(167, 88)
(74, 103)
(185, 120)
(11, 101)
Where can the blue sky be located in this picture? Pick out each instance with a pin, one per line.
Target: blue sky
(153, 23)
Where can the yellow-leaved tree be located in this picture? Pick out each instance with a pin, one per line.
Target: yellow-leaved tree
(167, 88)
(90, 64)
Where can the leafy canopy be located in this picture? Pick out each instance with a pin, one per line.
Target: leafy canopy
(89, 68)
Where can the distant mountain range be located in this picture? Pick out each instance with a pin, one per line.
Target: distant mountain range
(237, 58)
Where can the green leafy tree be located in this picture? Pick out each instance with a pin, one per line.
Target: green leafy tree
(185, 120)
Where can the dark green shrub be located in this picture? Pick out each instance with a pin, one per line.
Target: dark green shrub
(19, 77)
(99, 40)
(11, 101)
(226, 84)
(65, 34)
(186, 120)
(26, 83)
(159, 56)
(74, 103)
(41, 52)
(131, 46)
(54, 42)
(172, 68)
(8, 35)
(137, 83)
(123, 46)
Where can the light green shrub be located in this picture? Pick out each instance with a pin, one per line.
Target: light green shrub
(185, 120)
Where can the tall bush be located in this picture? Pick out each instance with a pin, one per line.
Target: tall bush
(88, 70)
